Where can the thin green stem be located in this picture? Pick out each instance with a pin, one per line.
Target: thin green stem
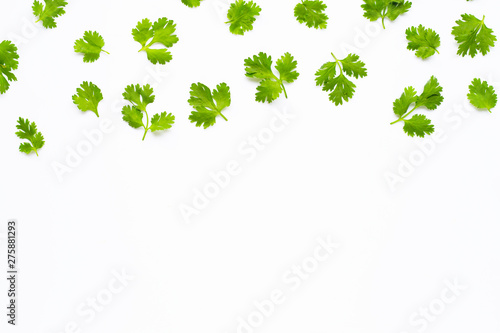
(220, 113)
(383, 23)
(284, 90)
(404, 116)
(146, 128)
(105, 51)
(38, 20)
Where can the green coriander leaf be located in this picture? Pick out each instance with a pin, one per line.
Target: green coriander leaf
(340, 87)
(430, 98)
(424, 41)
(482, 95)
(271, 86)
(418, 125)
(311, 12)
(391, 9)
(268, 91)
(207, 104)
(87, 97)
(133, 116)
(141, 97)
(402, 104)
(160, 32)
(8, 63)
(28, 131)
(48, 13)
(162, 122)
(90, 45)
(473, 36)
(259, 67)
(192, 3)
(241, 16)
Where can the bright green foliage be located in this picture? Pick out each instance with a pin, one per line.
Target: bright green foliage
(311, 12)
(271, 86)
(48, 13)
(192, 3)
(160, 32)
(424, 41)
(241, 16)
(391, 9)
(8, 63)
(430, 98)
(90, 45)
(87, 97)
(141, 97)
(340, 87)
(482, 95)
(473, 35)
(208, 105)
(28, 131)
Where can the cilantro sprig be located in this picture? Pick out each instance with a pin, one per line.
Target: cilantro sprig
(382, 9)
(430, 98)
(473, 36)
(336, 82)
(312, 13)
(28, 131)
(271, 86)
(8, 63)
(160, 32)
(192, 3)
(482, 95)
(91, 45)
(241, 16)
(140, 97)
(48, 13)
(422, 40)
(87, 97)
(208, 105)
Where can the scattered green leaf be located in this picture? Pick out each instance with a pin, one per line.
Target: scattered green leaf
(90, 45)
(430, 98)
(473, 36)
(141, 97)
(312, 13)
(424, 41)
(208, 105)
(87, 97)
(192, 3)
(482, 95)
(160, 32)
(28, 131)
(241, 16)
(391, 9)
(48, 13)
(341, 88)
(271, 86)
(8, 63)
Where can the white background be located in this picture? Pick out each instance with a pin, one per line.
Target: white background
(323, 176)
